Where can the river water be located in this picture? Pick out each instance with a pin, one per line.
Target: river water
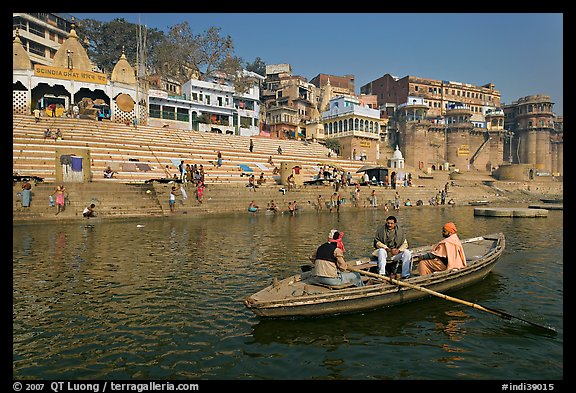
(161, 299)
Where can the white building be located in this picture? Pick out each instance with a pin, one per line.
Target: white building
(209, 107)
(70, 79)
(347, 118)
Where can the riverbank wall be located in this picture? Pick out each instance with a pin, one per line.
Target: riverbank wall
(121, 201)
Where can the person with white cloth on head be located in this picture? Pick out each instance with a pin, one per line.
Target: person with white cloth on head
(330, 268)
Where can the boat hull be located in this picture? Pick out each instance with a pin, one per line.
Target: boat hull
(295, 297)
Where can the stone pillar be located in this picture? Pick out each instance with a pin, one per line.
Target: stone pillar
(543, 151)
(531, 147)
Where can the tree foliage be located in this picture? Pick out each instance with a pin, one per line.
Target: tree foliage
(258, 66)
(333, 144)
(180, 53)
(105, 42)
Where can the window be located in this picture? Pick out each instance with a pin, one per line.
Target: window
(36, 29)
(182, 114)
(207, 99)
(154, 111)
(168, 112)
(36, 48)
(415, 87)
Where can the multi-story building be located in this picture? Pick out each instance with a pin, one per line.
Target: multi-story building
(41, 33)
(356, 127)
(288, 102)
(438, 95)
(451, 142)
(537, 140)
(209, 106)
(331, 86)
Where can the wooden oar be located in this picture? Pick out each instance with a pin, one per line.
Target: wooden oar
(499, 313)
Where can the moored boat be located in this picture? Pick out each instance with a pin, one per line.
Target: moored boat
(299, 296)
(478, 203)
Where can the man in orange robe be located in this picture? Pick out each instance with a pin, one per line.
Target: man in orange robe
(448, 254)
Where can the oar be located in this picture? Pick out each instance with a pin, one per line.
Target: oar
(499, 313)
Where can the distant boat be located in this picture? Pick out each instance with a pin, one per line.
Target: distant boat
(478, 203)
(552, 200)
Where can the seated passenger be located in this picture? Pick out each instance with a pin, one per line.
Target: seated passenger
(447, 254)
(330, 268)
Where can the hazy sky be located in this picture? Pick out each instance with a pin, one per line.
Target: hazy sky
(521, 53)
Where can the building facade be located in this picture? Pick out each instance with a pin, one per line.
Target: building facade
(70, 81)
(356, 127)
(536, 139)
(288, 103)
(209, 107)
(41, 34)
(438, 95)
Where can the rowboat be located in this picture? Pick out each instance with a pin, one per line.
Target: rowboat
(298, 296)
(478, 203)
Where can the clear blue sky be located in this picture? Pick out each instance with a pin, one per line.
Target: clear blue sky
(521, 53)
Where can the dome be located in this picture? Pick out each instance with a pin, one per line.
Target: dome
(123, 71)
(71, 54)
(397, 154)
(20, 61)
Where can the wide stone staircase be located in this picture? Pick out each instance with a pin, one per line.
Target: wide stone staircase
(143, 153)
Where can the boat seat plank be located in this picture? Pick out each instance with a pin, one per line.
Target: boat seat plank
(341, 286)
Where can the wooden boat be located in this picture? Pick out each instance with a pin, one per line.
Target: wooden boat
(298, 296)
(552, 200)
(478, 203)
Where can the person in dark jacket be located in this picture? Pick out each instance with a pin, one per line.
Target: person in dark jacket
(390, 241)
(330, 268)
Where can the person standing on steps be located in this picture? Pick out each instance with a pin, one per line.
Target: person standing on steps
(172, 200)
(61, 195)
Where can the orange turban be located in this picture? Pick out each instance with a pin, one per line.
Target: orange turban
(450, 227)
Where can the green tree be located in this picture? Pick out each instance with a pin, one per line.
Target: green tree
(205, 56)
(333, 144)
(104, 42)
(258, 66)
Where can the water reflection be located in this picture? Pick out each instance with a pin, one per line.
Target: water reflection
(163, 298)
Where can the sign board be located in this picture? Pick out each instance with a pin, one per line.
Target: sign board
(70, 74)
(365, 144)
(463, 150)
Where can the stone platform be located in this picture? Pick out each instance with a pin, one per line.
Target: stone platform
(510, 212)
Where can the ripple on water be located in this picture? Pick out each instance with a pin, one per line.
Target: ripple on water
(164, 301)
